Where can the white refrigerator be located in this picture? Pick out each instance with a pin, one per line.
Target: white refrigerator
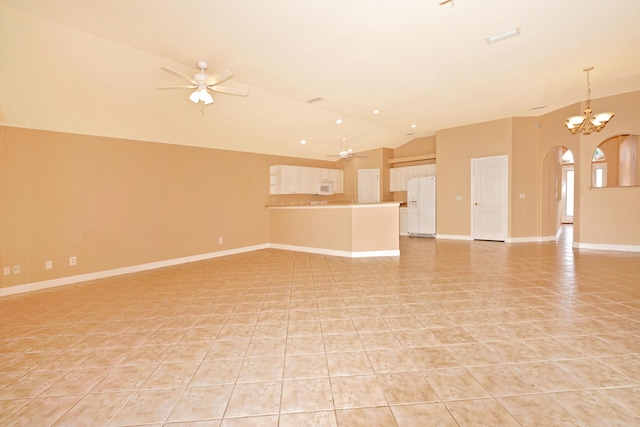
(421, 206)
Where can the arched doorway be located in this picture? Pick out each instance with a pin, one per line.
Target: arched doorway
(557, 192)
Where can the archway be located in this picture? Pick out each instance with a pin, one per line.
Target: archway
(552, 192)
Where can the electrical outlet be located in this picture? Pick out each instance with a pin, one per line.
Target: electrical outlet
(48, 265)
(72, 260)
(16, 269)
(220, 240)
(7, 271)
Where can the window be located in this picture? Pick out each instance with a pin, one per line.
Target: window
(599, 175)
(567, 157)
(598, 155)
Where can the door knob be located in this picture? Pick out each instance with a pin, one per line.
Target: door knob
(476, 203)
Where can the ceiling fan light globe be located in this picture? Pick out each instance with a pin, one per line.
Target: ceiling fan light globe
(195, 97)
(206, 97)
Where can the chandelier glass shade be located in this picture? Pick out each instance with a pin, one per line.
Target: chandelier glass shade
(589, 122)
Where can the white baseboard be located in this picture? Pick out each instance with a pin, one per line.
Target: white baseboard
(12, 290)
(606, 247)
(527, 239)
(334, 252)
(69, 280)
(453, 237)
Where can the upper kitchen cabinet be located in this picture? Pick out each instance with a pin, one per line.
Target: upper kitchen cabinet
(400, 176)
(286, 179)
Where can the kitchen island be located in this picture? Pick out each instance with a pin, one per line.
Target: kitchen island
(350, 230)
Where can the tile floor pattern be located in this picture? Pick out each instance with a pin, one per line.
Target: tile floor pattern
(449, 333)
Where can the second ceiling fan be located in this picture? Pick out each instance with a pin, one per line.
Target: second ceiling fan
(346, 153)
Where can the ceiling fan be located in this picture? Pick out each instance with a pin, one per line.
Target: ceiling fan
(202, 83)
(346, 154)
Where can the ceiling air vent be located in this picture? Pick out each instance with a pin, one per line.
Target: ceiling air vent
(318, 99)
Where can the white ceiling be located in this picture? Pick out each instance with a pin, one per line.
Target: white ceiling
(418, 62)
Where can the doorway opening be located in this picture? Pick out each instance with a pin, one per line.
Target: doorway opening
(567, 188)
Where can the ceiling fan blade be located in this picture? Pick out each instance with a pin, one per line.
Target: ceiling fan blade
(219, 77)
(178, 87)
(182, 76)
(229, 90)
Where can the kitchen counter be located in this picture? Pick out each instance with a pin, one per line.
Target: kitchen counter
(351, 230)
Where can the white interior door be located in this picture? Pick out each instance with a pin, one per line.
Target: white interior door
(489, 186)
(567, 194)
(368, 185)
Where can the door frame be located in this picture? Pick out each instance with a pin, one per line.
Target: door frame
(503, 196)
(564, 219)
(377, 190)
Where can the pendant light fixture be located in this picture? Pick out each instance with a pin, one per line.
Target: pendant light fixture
(587, 123)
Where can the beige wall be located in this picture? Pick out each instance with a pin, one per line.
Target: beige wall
(375, 159)
(416, 147)
(114, 203)
(345, 228)
(321, 227)
(525, 172)
(609, 215)
(454, 149)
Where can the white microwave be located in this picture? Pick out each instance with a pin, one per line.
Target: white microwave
(324, 188)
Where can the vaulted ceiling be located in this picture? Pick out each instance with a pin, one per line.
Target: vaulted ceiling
(93, 67)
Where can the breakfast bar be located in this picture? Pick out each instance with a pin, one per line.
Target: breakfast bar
(350, 230)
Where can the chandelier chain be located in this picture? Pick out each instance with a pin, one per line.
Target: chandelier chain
(588, 90)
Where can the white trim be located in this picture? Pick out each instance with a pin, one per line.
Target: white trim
(606, 247)
(337, 206)
(526, 239)
(69, 280)
(453, 237)
(28, 287)
(334, 252)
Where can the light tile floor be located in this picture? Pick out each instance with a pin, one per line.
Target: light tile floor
(449, 333)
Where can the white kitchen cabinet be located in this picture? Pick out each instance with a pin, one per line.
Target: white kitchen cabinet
(287, 179)
(395, 181)
(274, 179)
(337, 176)
(401, 176)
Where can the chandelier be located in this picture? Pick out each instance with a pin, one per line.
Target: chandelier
(587, 123)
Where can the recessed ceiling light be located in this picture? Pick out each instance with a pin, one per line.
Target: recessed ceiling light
(304, 141)
(503, 35)
(376, 111)
(339, 121)
(414, 126)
